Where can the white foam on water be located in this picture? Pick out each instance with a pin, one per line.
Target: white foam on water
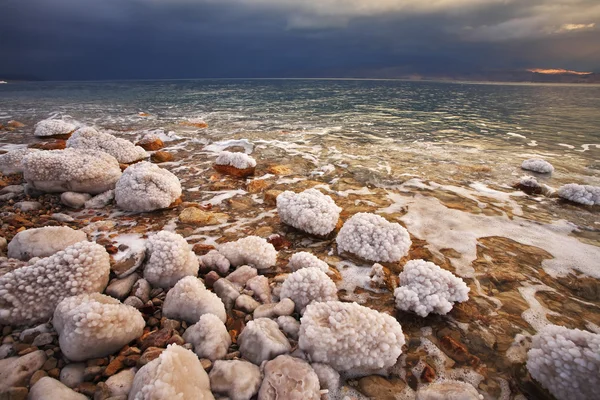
(516, 135)
(536, 314)
(568, 146)
(222, 195)
(586, 147)
(217, 147)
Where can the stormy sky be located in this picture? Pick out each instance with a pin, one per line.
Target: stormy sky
(145, 39)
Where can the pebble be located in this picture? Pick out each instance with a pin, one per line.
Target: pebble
(18, 370)
(3, 244)
(28, 335)
(37, 375)
(12, 189)
(246, 303)
(129, 263)
(134, 302)
(15, 393)
(120, 288)
(150, 354)
(6, 350)
(227, 292)
(28, 205)
(102, 391)
(141, 289)
(74, 199)
(90, 373)
(210, 279)
(48, 388)
(43, 339)
(72, 374)
(60, 217)
(120, 384)
(284, 307)
(242, 275)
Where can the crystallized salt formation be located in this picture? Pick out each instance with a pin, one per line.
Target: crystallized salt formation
(582, 194)
(53, 127)
(537, 165)
(373, 238)
(189, 300)
(251, 250)
(305, 259)
(95, 325)
(349, 336)
(71, 170)
(307, 285)
(426, 288)
(146, 187)
(31, 293)
(209, 337)
(175, 374)
(289, 378)
(566, 362)
(169, 259)
(123, 150)
(236, 160)
(11, 162)
(310, 211)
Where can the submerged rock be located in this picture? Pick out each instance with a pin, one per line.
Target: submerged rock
(449, 390)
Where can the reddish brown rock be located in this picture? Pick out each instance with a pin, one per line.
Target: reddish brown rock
(257, 185)
(233, 171)
(279, 242)
(194, 124)
(161, 156)
(270, 197)
(57, 144)
(201, 248)
(150, 354)
(428, 374)
(151, 145)
(280, 170)
(156, 339)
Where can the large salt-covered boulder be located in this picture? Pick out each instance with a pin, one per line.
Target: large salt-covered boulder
(261, 340)
(175, 374)
(236, 164)
(307, 285)
(537, 165)
(251, 250)
(373, 238)
(305, 259)
(238, 379)
(43, 242)
(310, 211)
(123, 150)
(349, 336)
(169, 259)
(189, 300)
(566, 362)
(54, 128)
(94, 325)
(582, 194)
(209, 337)
(11, 162)
(30, 294)
(289, 378)
(426, 288)
(146, 187)
(71, 170)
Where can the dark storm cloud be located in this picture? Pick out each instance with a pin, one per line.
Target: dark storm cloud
(122, 39)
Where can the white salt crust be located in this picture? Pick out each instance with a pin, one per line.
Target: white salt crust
(209, 337)
(43, 242)
(189, 300)
(71, 170)
(537, 165)
(52, 127)
(169, 259)
(426, 288)
(373, 238)
(216, 262)
(349, 336)
(94, 325)
(176, 374)
(305, 259)
(11, 162)
(289, 378)
(307, 285)
(582, 194)
(251, 250)
(239, 379)
(566, 362)
(146, 187)
(123, 150)
(236, 160)
(30, 294)
(310, 211)
(529, 181)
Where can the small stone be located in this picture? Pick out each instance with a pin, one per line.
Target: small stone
(283, 308)
(60, 217)
(15, 393)
(196, 216)
(134, 302)
(156, 339)
(262, 340)
(54, 373)
(114, 366)
(227, 292)
(257, 185)
(120, 384)
(87, 388)
(377, 387)
(141, 290)
(246, 303)
(90, 373)
(102, 391)
(50, 363)
(129, 263)
(18, 370)
(176, 339)
(201, 248)
(239, 380)
(37, 375)
(3, 244)
(291, 378)
(161, 156)
(151, 143)
(242, 275)
(270, 197)
(211, 278)
(120, 288)
(6, 350)
(48, 388)
(260, 286)
(150, 354)
(74, 200)
(72, 374)
(233, 171)
(28, 205)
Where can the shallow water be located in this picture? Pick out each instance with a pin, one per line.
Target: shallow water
(440, 158)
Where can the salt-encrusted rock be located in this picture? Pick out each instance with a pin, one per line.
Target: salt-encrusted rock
(529, 184)
(95, 325)
(251, 250)
(377, 275)
(582, 194)
(189, 300)
(49, 388)
(11, 162)
(209, 337)
(329, 378)
(566, 362)
(289, 378)
(216, 261)
(310, 211)
(101, 200)
(289, 325)
(246, 303)
(537, 165)
(176, 373)
(373, 238)
(72, 170)
(120, 384)
(74, 199)
(16, 371)
(284, 307)
(151, 142)
(238, 379)
(72, 374)
(426, 288)
(262, 340)
(30, 294)
(307, 285)
(448, 390)
(169, 259)
(349, 336)
(43, 242)
(242, 275)
(236, 164)
(227, 292)
(54, 128)
(260, 286)
(123, 150)
(305, 259)
(146, 187)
